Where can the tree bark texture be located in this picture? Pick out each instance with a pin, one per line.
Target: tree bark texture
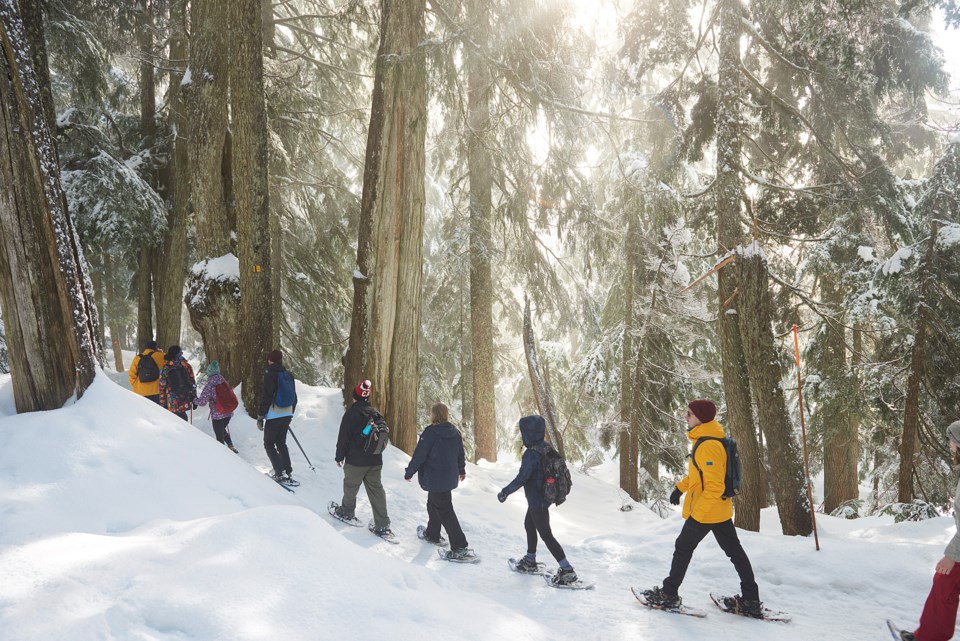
(628, 462)
(540, 383)
(393, 206)
(213, 302)
(480, 169)
(251, 191)
(763, 365)
(46, 295)
(736, 385)
(148, 128)
(113, 312)
(171, 271)
(838, 412)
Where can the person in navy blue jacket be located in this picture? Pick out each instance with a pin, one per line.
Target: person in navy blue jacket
(439, 463)
(537, 521)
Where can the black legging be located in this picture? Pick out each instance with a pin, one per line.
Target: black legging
(220, 430)
(440, 512)
(726, 534)
(275, 442)
(538, 522)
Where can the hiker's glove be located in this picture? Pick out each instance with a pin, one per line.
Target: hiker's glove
(260, 423)
(501, 497)
(675, 496)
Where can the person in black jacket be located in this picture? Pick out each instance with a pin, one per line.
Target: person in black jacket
(439, 463)
(273, 420)
(358, 466)
(537, 521)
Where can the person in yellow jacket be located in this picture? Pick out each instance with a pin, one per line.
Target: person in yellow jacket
(145, 380)
(706, 510)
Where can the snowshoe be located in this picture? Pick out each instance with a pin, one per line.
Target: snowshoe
(463, 555)
(574, 584)
(656, 599)
(422, 535)
(746, 608)
(337, 512)
(384, 533)
(898, 634)
(523, 566)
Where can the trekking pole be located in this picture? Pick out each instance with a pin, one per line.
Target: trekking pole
(301, 449)
(803, 431)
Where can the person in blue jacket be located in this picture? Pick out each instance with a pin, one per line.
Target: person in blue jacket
(439, 463)
(537, 521)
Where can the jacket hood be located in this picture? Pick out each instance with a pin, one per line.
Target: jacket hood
(532, 429)
(216, 379)
(445, 430)
(710, 428)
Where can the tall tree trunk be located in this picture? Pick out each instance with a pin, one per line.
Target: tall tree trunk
(171, 271)
(251, 189)
(148, 127)
(940, 201)
(763, 367)
(736, 386)
(113, 311)
(213, 289)
(392, 210)
(540, 383)
(45, 293)
(628, 462)
(839, 411)
(480, 168)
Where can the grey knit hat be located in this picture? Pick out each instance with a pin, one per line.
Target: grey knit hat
(953, 432)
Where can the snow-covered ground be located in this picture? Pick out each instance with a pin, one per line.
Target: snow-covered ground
(119, 521)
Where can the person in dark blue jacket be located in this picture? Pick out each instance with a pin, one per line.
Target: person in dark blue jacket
(439, 463)
(537, 521)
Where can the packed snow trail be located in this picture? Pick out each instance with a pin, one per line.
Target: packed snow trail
(119, 521)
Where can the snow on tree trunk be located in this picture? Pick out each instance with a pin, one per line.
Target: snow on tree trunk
(541, 386)
(171, 271)
(250, 161)
(940, 201)
(736, 386)
(46, 295)
(628, 460)
(480, 168)
(385, 329)
(213, 294)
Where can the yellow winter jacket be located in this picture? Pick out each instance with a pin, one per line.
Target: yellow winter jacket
(145, 389)
(704, 501)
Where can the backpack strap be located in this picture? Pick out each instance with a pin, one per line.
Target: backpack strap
(693, 456)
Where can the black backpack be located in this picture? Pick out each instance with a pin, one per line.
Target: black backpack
(374, 437)
(147, 370)
(734, 471)
(556, 476)
(179, 383)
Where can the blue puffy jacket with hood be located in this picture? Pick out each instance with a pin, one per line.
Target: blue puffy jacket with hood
(530, 476)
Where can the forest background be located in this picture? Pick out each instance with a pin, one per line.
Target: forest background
(592, 210)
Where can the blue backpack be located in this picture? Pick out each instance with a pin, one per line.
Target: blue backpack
(286, 392)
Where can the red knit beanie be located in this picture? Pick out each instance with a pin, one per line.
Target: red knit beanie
(275, 356)
(362, 390)
(703, 409)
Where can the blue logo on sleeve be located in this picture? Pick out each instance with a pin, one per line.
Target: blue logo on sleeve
(709, 462)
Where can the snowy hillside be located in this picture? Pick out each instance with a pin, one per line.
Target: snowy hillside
(119, 521)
